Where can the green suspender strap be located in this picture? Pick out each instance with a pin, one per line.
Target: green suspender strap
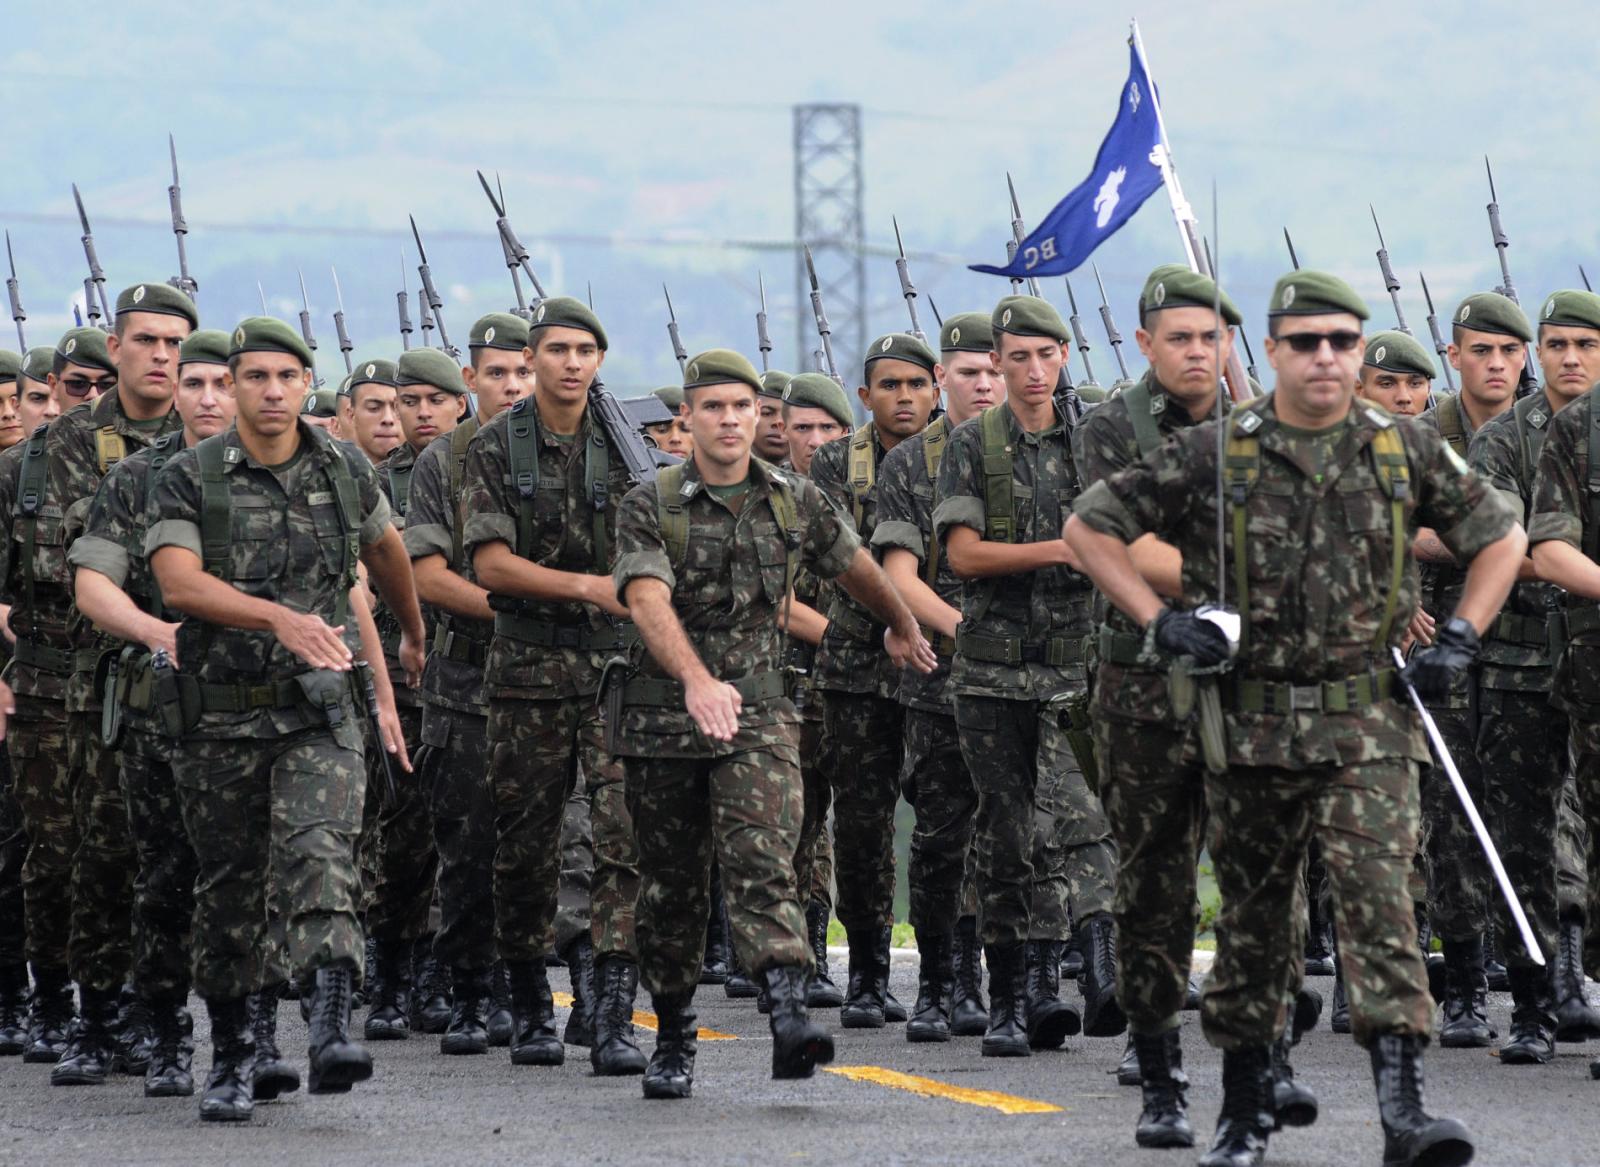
(934, 440)
(30, 501)
(460, 438)
(216, 508)
(400, 486)
(344, 493)
(522, 452)
(596, 470)
(863, 472)
(781, 498)
(670, 514)
(1591, 520)
(999, 495)
(161, 452)
(1242, 466)
(1451, 424)
(1394, 476)
(1144, 411)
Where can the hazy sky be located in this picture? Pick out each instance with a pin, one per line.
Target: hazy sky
(641, 143)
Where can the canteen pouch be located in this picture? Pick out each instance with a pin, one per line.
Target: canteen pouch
(326, 690)
(111, 698)
(1080, 736)
(613, 683)
(1213, 727)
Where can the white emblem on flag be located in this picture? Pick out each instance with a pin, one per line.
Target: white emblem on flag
(1105, 203)
(1133, 96)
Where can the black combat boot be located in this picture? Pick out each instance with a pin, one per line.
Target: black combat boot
(739, 986)
(1319, 939)
(1307, 1009)
(13, 1009)
(430, 1000)
(272, 1075)
(799, 1045)
(1494, 961)
(579, 957)
(718, 960)
(499, 1025)
(893, 1011)
(1339, 1017)
(87, 1059)
(134, 1036)
(930, 1016)
(533, 1027)
(228, 1097)
(670, 1073)
(615, 1053)
(1007, 1035)
(863, 1002)
(822, 993)
(51, 1015)
(1465, 1024)
(1434, 961)
(1050, 1019)
(1412, 1137)
(1164, 1121)
(337, 1061)
(1576, 1019)
(1102, 1016)
(1128, 1071)
(1293, 1103)
(468, 1031)
(170, 1073)
(1245, 1122)
(1533, 1018)
(389, 992)
(1071, 958)
(969, 1014)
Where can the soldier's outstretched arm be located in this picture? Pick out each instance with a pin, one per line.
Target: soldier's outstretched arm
(1489, 578)
(974, 557)
(904, 570)
(390, 567)
(115, 612)
(394, 741)
(904, 641)
(1107, 561)
(802, 621)
(443, 588)
(504, 572)
(1567, 567)
(713, 704)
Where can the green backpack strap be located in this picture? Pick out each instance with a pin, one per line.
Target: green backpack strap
(596, 472)
(31, 483)
(1394, 476)
(935, 439)
(671, 516)
(460, 438)
(787, 512)
(1452, 425)
(400, 486)
(1242, 466)
(216, 508)
(1144, 412)
(863, 472)
(522, 453)
(349, 507)
(1591, 532)
(999, 494)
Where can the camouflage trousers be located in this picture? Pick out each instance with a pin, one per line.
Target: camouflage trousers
(860, 760)
(1044, 845)
(13, 852)
(36, 743)
(813, 857)
(1154, 795)
(1458, 873)
(744, 810)
(163, 888)
(452, 771)
(940, 789)
(1584, 744)
(576, 881)
(1366, 817)
(537, 749)
(1572, 851)
(408, 865)
(285, 811)
(100, 949)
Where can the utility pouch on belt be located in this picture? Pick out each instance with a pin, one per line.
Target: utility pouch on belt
(326, 689)
(170, 704)
(1080, 737)
(1189, 694)
(610, 700)
(111, 696)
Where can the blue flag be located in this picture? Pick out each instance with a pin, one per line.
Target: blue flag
(1126, 172)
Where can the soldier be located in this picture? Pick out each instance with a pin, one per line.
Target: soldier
(112, 587)
(706, 558)
(671, 436)
(1522, 741)
(13, 839)
(11, 431)
(1004, 487)
(367, 413)
(1396, 373)
(771, 444)
(541, 487)
(1311, 736)
(934, 776)
(452, 767)
(254, 535)
(862, 748)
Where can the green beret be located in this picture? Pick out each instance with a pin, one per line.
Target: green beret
(671, 396)
(1314, 293)
(378, 371)
(720, 366)
(1395, 352)
(208, 346)
(1090, 392)
(429, 366)
(899, 346)
(322, 402)
(10, 365)
(967, 332)
(1172, 285)
(819, 391)
(1028, 316)
(159, 298)
(1492, 312)
(36, 363)
(772, 383)
(567, 312)
(499, 330)
(83, 346)
(1571, 308)
(266, 334)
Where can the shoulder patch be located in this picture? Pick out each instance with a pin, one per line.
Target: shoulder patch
(1378, 418)
(1250, 422)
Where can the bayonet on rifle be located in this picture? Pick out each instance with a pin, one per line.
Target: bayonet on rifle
(763, 340)
(516, 254)
(180, 228)
(97, 305)
(1438, 339)
(907, 289)
(1018, 234)
(937, 319)
(401, 298)
(305, 328)
(431, 294)
(1077, 332)
(1501, 242)
(345, 343)
(1294, 260)
(1584, 276)
(1390, 280)
(679, 353)
(1113, 337)
(824, 331)
(14, 290)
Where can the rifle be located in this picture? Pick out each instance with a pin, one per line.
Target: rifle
(1294, 259)
(763, 341)
(180, 227)
(1113, 337)
(937, 319)
(907, 289)
(262, 292)
(1584, 276)
(678, 351)
(516, 254)
(1438, 340)
(625, 439)
(510, 257)
(1249, 357)
(424, 320)
(1529, 379)
(1390, 281)
(1018, 234)
(14, 290)
(305, 329)
(345, 343)
(824, 332)
(405, 311)
(1077, 334)
(97, 275)
(435, 302)
(371, 693)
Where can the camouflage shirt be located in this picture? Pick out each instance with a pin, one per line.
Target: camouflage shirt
(453, 676)
(42, 621)
(1441, 582)
(395, 477)
(1318, 558)
(563, 538)
(1051, 606)
(287, 546)
(851, 658)
(1516, 651)
(727, 591)
(905, 520)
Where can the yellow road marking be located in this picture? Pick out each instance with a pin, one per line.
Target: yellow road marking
(928, 1088)
(648, 1020)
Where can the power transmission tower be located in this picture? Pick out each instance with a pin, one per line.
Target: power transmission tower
(828, 216)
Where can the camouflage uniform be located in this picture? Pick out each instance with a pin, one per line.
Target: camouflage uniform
(1317, 741)
(268, 780)
(13, 851)
(813, 861)
(1043, 838)
(693, 797)
(542, 674)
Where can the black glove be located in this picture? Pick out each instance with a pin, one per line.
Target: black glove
(1185, 634)
(1433, 670)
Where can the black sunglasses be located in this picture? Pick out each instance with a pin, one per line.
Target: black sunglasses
(82, 386)
(1342, 341)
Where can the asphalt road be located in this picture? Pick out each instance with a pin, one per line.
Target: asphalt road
(1064, 1107)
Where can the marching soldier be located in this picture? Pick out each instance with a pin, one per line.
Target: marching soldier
(367, 413)
(1312, 735)
(13, 839)
(1396, 373)
(706, 558)
(771, 443)
(671, 436)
